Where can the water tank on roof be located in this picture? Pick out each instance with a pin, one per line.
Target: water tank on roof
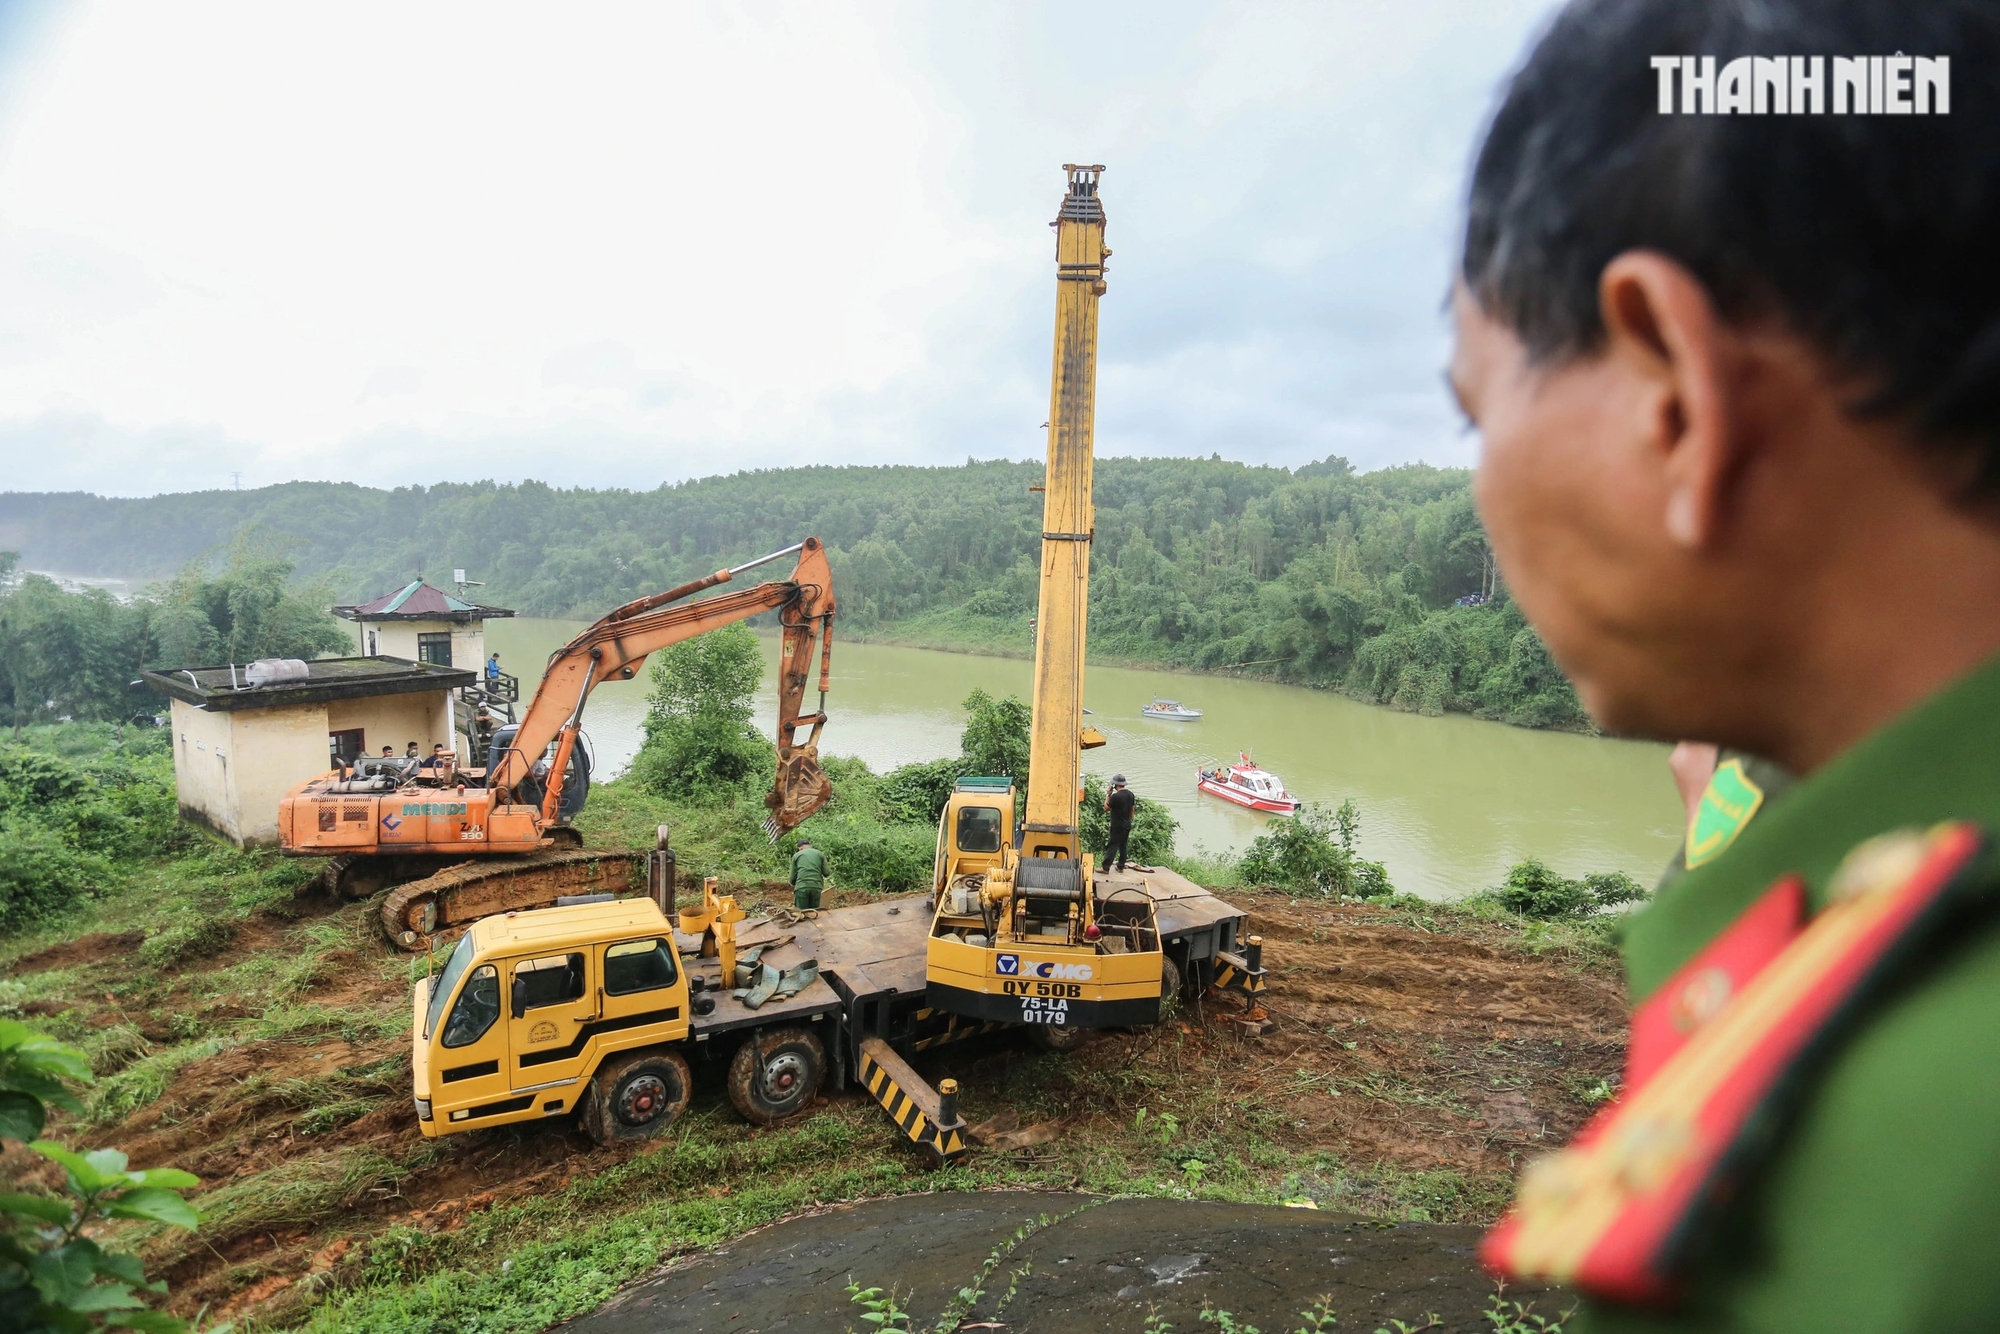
(270, 671)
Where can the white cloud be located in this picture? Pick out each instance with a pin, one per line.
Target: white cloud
(619, 245)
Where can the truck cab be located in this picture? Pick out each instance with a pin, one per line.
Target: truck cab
(533, 1007)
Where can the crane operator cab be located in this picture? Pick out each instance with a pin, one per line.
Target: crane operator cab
(1022, 939)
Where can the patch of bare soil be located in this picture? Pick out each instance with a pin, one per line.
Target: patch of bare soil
(84, 949)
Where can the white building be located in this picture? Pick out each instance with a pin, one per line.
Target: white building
(238, 748)
(419, 623)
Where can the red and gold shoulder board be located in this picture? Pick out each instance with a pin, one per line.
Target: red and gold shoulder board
(1719, 1054)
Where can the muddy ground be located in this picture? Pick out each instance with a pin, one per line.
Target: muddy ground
(1097, 1264)
(1419, 1058)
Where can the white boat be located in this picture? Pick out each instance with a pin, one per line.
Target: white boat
(1171, 708)
(1247, 785)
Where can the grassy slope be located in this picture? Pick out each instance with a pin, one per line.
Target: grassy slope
(259, 1038)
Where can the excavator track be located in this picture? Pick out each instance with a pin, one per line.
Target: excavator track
(464, 893)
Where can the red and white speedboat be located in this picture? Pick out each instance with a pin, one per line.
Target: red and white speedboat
(1247, 785)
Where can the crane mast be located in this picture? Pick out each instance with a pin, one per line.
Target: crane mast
(1057, 739)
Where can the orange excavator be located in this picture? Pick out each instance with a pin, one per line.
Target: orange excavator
(455, 845)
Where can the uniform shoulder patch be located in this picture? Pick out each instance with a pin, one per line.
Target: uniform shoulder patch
(1622, 1213)
(1727, 805)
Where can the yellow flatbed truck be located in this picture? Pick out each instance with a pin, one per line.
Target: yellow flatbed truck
(606, 1009)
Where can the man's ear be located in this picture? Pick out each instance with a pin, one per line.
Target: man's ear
(1662, 328)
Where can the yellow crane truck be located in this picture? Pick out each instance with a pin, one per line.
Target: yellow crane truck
(1025, 930)
(601, 1007)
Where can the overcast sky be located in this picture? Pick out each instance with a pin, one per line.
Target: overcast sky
(610, 246)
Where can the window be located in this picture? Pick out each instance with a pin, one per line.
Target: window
(637, 965)
(478, 1006)
(549, 981)
(435, 648)
(979, 829)
(346, 746)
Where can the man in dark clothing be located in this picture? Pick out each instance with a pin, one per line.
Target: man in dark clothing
(1120, 802)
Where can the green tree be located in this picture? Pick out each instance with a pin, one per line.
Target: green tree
(248, 611)
(699, 739)
(995, 740)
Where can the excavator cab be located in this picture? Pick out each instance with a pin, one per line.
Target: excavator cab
(530, 790)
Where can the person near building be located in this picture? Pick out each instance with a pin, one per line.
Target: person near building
(810, 870)
(1736, 379)
(492, 669)
(1120, 801)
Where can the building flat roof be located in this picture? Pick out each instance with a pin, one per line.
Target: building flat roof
(419, 601)
(326, 679)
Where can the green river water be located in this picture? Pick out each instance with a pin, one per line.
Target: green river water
(1448, 804)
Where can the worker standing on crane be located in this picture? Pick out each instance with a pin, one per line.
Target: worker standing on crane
(1120, 802)
(809, 873)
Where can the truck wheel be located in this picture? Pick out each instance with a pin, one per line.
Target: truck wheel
(776, 1074)
(635, 1096)
(1170, 982)
(1058, 1037)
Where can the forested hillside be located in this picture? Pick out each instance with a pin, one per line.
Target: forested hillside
(1320, 576)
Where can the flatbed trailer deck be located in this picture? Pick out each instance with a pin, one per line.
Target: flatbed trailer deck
(871, 988)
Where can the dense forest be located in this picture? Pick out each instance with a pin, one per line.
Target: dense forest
(1319, 575)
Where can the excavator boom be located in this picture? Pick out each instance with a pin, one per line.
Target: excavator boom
(388, 829)
(616, 647)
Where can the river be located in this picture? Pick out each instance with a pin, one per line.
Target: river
(1448, 804)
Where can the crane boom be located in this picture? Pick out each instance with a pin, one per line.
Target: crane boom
(1068, 519)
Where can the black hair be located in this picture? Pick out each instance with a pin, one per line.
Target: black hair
(1874, 237)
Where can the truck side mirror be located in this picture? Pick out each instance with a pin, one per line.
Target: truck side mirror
(520, 995)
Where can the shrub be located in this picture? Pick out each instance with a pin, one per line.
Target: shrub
(1534, 890)
(40, 873)
(868, 854)
(917, 793)
(54, 1277)
(1314, 851)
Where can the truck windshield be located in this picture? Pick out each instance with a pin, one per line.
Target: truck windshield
(447, 982)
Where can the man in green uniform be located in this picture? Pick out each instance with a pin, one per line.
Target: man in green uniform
(1737, 378)
(809, 872)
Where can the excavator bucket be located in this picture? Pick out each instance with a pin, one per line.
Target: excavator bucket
(801, 789)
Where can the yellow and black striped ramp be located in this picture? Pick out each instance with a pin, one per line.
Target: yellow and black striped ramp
(1234, 973)
(910, 1102)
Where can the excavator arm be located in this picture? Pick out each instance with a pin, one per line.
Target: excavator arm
(616, 647)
